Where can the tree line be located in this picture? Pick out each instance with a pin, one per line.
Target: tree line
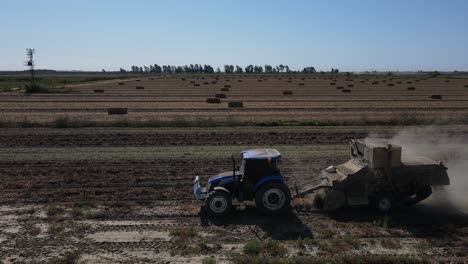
(198, 68)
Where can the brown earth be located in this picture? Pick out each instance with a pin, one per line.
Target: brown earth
(122, 195)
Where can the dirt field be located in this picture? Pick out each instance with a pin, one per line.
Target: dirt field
(123, 195)
(313, 97)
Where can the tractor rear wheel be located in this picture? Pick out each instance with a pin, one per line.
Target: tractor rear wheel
(273, 198)
(218, 203)
(383, 202)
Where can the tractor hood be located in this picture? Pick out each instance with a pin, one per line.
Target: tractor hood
(223, 178)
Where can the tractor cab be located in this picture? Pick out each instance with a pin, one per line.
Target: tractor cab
(258, 170)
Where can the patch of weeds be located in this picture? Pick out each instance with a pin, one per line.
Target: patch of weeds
(347, 259)
(96, 214)
(266, 247)
(209, 260)
(390, 243)
(201, 247)
(54, 210)
(56, 229)
(70, 257)
(325, 245)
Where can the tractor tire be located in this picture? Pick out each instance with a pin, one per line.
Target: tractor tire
(273, 198)
(382, 202)
(219, 203)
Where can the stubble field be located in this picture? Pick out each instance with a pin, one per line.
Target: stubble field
(123, 195)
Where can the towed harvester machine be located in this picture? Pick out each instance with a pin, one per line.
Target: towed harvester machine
(376, 175)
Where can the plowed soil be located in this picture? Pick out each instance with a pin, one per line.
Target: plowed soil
(124, 195)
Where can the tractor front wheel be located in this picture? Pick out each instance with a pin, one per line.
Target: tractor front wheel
(218, 203)
(383, 202)
(273, 197)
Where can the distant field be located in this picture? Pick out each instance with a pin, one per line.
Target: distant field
(267, 100)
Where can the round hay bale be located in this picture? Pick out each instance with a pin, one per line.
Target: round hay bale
(339, 87)
(205, 83)
(183, 79)
(466, 85)
(260, 80)
(390, 84)
(220, 95)
(235, 104)
(121, 83)
(302, 84)
(213, 100)
(399, 82)
(411, 88)
(350, 85)
(117, 111)
(196, 84)
(239, 80)
(98, 90)
(227, 86)
(417, 80)
(375, 82)
(436, 97)
(224, 89)
(447, 81)
(289, 81)
(332, 83)
(409, 82)
(137, 80)
(287, 92)
(346, 90)
(140, 88)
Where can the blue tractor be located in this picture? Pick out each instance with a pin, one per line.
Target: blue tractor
(257, 178)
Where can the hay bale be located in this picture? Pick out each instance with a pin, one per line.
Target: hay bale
(98, 90)
(213, 100)
(375, 82)
(390, 84)
(409, 82)
(340, 87)
(332, 83)
(350, 85)
(235, 104)
(346, 90)
(239, 80)
(196, 84)
(260, 80)
(140, 88)
(302, 84)
(466, 85)
(399, 82)
(287, 92)
(137, 80)
(220, 95)
(227, 86)
(417, 80)
(183, 79)
(117, 111)
(436, 97)
(121, 83)
(224, 89)
(411, 88)
(447, 80)
(205, 83)
(289, 81)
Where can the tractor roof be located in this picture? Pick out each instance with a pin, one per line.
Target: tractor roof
(259, 154)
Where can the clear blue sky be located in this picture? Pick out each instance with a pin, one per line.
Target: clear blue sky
(350, 35)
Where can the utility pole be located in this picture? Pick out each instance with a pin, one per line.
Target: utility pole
(30, 63)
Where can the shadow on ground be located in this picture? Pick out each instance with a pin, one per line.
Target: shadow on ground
(278, 227)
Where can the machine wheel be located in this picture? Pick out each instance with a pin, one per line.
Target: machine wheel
(273, 197)
(383, 202)
(218, 203)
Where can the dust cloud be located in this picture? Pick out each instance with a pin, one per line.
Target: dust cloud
(452, 149)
